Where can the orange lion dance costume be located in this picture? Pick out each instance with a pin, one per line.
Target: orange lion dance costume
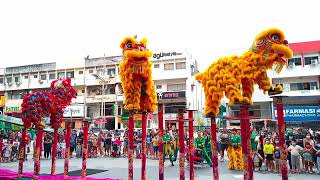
(235, 76)
(136, 76)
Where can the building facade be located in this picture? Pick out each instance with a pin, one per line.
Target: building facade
(99, 91)
(300, 80)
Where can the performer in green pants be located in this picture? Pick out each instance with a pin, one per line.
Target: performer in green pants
(175, 144)
(200, 144)
(207, 143)
(167, 141)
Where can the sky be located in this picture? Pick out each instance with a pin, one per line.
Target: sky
(65, 31)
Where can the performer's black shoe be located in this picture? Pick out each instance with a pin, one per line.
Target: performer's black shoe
(172, 164)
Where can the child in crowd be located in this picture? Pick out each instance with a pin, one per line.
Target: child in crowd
(268, 150)
(277, 156)
(149, 145)
(94, 145)
(63, 149)
(155, 144)
(308, 159)
(59, 149)
(7, 152)
(78, 150)
(295, 150)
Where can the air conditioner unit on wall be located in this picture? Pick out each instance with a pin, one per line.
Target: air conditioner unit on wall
(10, 84)
(40, 81)
(18, 83)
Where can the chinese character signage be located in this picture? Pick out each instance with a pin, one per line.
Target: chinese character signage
(171, 95)
(301, 113)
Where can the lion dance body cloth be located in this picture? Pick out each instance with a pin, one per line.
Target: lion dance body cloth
(136, 76)
(234, 77)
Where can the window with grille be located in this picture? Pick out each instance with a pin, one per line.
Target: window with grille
(168, 66)
(294, 62)
(61, 75)
(70, 74)
(43, 77)
(176, 87)
(1, 80)
(52, 76)
(9, 79)
(310, 60)
(180, 65)
(156, 65)
(158, 87)
(303, 86)
(17, 79)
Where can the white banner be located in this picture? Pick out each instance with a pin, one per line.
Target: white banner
(74, 111)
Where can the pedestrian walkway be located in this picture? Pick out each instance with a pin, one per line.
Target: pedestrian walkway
(117, 168)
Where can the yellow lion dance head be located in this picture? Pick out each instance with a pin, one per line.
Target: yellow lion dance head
(234, 77)
(136, 75)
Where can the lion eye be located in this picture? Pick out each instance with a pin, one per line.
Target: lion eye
(275, 37)
(128, 44)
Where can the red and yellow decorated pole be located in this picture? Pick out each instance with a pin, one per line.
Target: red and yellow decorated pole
(281, 131)
(181, 145)
(191, 145)
(245, 142)
(37, 153)
(131, 146)
(160, 124)
(54, 151)
(84, 149)
(144, 146)
(66, 160)
(22, 151)
(214, 147)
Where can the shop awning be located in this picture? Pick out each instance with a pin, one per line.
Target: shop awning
(9, 119)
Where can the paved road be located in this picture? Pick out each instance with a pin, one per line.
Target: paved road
(117, 168)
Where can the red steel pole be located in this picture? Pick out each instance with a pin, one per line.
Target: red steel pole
(54, 151)
(281, 131)
(1, 145)
(131, 146)
(191, 145)
(37, 155)
(22, 151)
(181, 145)
(85, 149)
(250, 160)
(245, 142)
(160, 124)
(144, 145)
(66, 160)
(214, 147)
